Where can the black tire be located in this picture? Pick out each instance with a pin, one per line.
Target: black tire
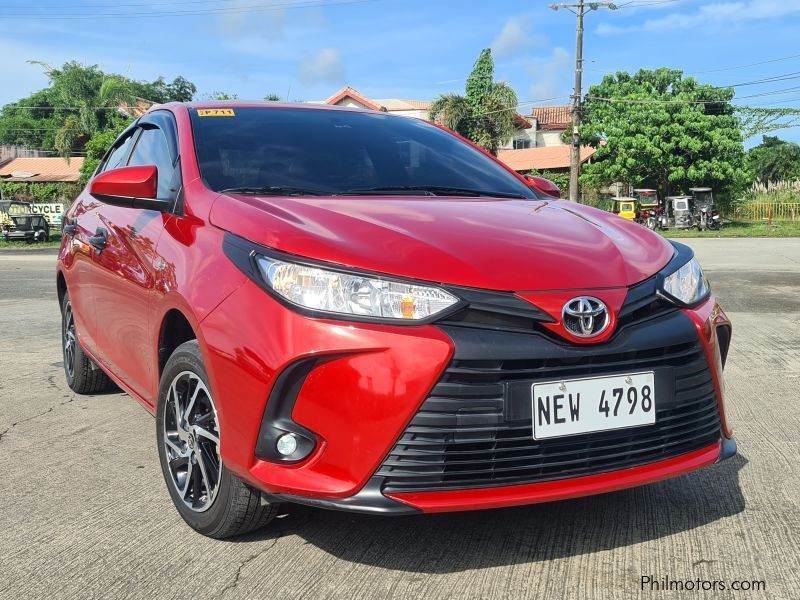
(83, 375)
(231, 507)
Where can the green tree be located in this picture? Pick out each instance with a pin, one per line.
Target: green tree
(657, 129)
(91, 97)
(273, 97)
(80, 102)
(221, 96)
(486, 113)
(31, 127)
(159, 91)
(774, 160)
(97, 147)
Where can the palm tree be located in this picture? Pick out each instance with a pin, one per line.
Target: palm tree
(91, 98)
(486, 113)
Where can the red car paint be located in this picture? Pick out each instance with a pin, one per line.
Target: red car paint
(525, 245)
(142, 181)
(543, 185)
(374, 377)
(560, 490)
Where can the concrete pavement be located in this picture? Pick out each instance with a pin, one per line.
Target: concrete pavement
(84, 512)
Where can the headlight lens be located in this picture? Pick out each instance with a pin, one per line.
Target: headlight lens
(352, 294)
(688, 284)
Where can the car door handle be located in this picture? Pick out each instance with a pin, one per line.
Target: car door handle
(99, 240)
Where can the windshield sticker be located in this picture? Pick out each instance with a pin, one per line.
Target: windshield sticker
(215, 112)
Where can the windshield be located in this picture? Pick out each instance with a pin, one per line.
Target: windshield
(295, 150)
(704, 197)
(648, 198)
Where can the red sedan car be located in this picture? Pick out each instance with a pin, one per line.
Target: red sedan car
(366, 312)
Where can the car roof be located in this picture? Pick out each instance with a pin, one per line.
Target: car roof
(266, 104)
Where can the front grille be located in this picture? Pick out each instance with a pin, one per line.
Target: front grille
(474, 430)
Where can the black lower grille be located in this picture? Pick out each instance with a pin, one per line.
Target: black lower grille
(474, 430)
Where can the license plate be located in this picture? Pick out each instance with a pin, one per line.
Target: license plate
(575, 406)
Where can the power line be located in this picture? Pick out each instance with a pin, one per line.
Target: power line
(774, 102)
(679, 101)
(119, 108)
(773, 79)
(580, 9)
(118, 5)
(610, 70)
(755, 64)
(181, 13)
(641, 3)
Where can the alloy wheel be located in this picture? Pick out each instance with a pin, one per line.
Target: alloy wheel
(70, 340)
(191, 441)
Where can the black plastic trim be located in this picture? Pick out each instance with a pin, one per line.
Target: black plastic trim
(481, 407)
(277, 418)
(156, 204)
(370, 500)
(724, 333)
(494, 310)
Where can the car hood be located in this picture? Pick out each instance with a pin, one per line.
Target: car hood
(498, 244)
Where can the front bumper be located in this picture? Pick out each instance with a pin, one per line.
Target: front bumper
(372, 389)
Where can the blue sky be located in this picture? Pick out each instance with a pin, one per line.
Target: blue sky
(415, 49)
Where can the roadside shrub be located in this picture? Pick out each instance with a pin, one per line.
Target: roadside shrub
(40, 192)
(787, 192)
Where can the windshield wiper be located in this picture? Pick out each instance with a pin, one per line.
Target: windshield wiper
(272, 190)
(428, 190)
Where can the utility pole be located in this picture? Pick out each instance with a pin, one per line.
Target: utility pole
(579, 10)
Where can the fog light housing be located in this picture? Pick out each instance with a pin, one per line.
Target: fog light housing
(286, 444)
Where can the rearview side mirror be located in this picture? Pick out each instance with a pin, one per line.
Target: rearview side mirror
(130, 187)
(543, 185)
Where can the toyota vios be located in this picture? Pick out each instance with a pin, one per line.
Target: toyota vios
(361, 311)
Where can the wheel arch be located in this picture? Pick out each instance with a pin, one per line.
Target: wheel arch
(61, 287)
(175, 329)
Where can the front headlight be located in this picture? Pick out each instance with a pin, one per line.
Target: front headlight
(687, 285)
(351, 294)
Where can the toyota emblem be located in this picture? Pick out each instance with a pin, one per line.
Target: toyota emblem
(585, 316)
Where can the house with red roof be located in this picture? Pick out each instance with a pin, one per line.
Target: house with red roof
(537, 143)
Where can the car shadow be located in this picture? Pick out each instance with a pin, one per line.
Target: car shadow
(454, 542)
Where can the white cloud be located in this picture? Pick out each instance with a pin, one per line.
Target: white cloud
(515, 37)
(707, 15)
(325, 66)
(238, 20)
(551, 75)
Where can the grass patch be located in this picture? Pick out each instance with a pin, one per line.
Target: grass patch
(741, 229)
(54, 242)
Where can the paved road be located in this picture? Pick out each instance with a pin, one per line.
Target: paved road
(84, 511)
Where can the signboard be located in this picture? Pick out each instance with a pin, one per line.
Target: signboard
(53, 212)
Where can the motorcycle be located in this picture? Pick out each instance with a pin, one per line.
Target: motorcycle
(704, 215)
